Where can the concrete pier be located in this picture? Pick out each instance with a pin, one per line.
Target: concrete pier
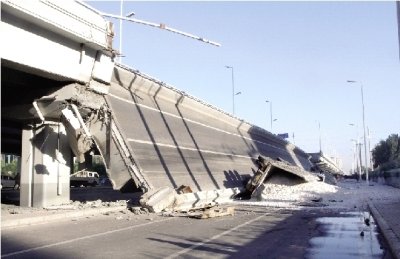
(45, 166)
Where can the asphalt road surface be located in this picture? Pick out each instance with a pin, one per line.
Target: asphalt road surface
(252, 232)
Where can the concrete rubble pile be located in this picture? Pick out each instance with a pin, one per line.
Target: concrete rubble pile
(183, 199)
(168, 199)
(267, 167)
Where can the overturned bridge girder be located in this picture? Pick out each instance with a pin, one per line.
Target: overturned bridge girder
(169, 138)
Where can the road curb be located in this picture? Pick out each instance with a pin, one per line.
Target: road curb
(391, 239)
(11, 223)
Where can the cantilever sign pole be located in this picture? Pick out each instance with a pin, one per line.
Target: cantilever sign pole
(160, 26)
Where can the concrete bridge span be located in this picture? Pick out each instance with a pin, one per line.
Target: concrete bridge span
(177, 139)
(75, 98)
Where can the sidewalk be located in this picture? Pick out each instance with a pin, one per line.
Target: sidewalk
(387, 216)
(9, 220)
(85, 202)
(15, 216)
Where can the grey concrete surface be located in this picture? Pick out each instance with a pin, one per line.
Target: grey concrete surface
(176, 139)
(252, 232)
(387, 216)
(238, 236)
(84, 202)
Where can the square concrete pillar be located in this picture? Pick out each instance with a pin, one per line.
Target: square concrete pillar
(45, 167)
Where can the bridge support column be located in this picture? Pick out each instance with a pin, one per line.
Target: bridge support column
(45, 167)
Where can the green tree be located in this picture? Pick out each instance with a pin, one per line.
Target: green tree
(9, 169)
(386, 153)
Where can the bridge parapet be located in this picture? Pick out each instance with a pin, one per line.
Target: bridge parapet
(62, 40)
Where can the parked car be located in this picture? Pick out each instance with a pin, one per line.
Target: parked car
(85, 178)
(7, 181)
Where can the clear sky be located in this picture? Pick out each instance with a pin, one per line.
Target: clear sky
(298, 55)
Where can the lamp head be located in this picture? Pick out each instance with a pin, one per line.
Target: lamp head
(130, 14)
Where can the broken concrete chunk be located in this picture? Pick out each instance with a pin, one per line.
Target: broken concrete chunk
(184, 189)
(157, 200)
(139, 210)
(166, 198)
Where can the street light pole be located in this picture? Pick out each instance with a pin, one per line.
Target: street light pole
(120, 31)
(233, 90)
(319, 131)
(270, 111)
(357, 157)
(365, 133)
(369, 149)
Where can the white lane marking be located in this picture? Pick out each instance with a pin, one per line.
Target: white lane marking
(80, 238)
(192, 121)
(214, 237)
(184, 148)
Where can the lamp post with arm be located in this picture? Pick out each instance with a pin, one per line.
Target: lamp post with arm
(270, 111)
(365, 137)
(233, 90)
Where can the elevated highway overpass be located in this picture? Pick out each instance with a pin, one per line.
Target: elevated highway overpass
(62, 91)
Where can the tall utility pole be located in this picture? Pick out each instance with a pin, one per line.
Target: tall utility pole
(365, 133)
(319, 130)
(369, 149)
(353, 164)
(270, 111)
(359, 153)
(357, 157)
(120, 30)
(233, 89)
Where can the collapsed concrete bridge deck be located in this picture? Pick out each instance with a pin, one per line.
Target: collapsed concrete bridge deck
(149, 134)
(179, 140)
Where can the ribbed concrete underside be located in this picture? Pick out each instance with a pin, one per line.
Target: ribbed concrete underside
(176, 139)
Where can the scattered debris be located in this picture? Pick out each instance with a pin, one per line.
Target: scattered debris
(210, 211)
(283, 188)
(167, 199)
(267, 166)
(367, 221)
(317, 199)
(311, 204)
(216, 212)
(61, 207)
(139, 210)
